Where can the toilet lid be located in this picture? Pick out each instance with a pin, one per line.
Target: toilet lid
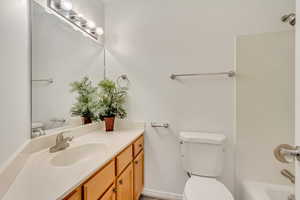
(206, 188)
(36, 125)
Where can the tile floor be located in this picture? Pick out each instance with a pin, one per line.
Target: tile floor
(148, 198)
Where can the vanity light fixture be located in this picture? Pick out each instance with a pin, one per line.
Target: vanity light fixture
(64, 9)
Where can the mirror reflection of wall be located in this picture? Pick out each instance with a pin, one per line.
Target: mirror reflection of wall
(62, 55)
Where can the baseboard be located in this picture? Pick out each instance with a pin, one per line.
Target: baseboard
(161, 194)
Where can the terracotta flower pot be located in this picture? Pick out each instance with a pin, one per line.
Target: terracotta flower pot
(109, 123)
(86, 120)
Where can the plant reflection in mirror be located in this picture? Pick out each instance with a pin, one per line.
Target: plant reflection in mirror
(85, 100)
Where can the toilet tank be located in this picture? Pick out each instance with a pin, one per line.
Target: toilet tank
(202, 153)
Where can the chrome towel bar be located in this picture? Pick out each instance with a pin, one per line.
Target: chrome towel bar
(50, 80)
(159, 125)
(229, 74)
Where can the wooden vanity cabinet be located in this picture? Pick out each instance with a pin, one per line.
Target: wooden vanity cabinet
(120, 179)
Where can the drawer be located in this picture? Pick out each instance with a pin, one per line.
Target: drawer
(76, 195)
(99, 183)
(123, 159)
(138, 146)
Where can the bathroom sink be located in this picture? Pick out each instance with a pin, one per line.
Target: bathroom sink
(77, 154)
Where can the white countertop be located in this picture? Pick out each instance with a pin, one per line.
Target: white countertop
(40, 180)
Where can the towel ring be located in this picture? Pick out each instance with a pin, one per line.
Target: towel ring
(123, 81)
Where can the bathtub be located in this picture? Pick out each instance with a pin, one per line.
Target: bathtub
(265, 191)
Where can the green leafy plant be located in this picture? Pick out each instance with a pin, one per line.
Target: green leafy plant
(85, 100)
(111, 100)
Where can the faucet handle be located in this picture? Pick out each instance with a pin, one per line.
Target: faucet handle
(70, 138)
(60, 137)
(286, 173)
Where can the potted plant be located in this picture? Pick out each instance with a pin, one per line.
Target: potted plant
(110, 103)
(85, 101)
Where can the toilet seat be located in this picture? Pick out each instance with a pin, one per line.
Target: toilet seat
(36, 125)
(197, 188)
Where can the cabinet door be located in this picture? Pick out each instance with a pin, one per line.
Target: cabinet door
(100, 182)
(110, 194)
(76, 195)
(125, 184)
(138, 170)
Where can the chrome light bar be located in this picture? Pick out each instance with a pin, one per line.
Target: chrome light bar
(64, 9)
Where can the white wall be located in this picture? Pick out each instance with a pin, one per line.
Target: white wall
(265, 104)
(149, 40)
(66, 55)
(14, 76)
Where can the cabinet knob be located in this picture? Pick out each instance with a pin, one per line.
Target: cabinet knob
(115, 190)
(121, 182)
(141, 145)
(136, 162)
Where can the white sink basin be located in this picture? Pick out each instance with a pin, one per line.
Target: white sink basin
(77, 154)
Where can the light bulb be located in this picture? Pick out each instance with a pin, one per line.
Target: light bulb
(85, 34)
(99, 31)
(91, 24)
(49, 11)
(78, 19)
(66, 5)
(75, 28)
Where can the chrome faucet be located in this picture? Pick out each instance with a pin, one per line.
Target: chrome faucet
(61, 143)
(286, 173)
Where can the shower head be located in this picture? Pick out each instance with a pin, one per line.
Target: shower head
(290, 18)
(285, 18)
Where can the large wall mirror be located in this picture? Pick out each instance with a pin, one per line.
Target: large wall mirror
(67, 45)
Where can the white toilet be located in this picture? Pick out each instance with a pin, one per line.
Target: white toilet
(202, 157)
